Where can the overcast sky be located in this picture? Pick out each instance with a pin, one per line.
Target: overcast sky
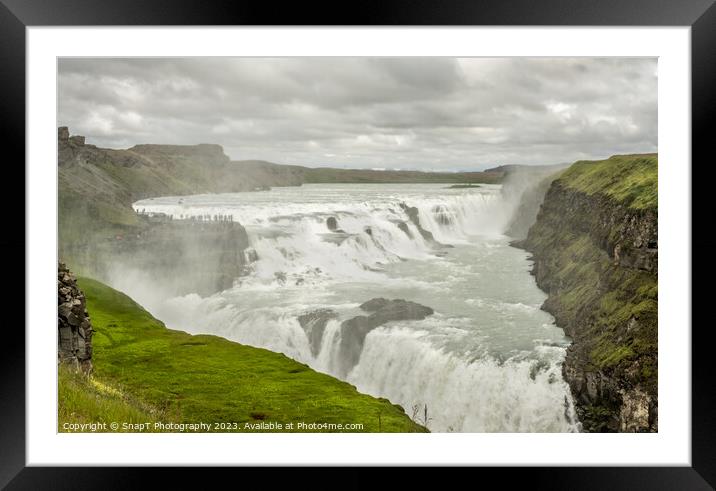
(417, 113)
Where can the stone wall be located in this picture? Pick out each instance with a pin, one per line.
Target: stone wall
(74, 329)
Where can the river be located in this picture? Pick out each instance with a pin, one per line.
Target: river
(488, 360)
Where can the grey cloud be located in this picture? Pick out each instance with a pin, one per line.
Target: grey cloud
(428, 113)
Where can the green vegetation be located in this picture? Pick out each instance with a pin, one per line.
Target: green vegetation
(614, 297)
(87, 400)
(595, 246)
(174, 376)
(631, 179)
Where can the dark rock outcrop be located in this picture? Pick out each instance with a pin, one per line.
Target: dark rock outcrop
(74, 329)
(596, 257)
(442, 215)
(99, 231)
(332, 224)
(405, 229)
(354, 330)
(414, 215)
(314, 324)
(185, 256)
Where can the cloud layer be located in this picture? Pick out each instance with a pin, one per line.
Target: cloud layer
(417, 113)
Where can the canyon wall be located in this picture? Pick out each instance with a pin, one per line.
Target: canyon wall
(183, 256)
(595, 252)
(99, 231)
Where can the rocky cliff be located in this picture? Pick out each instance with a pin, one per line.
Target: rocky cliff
(183, 256)
(74, 329)
(99, 231)
(595, 252)
(97, 187)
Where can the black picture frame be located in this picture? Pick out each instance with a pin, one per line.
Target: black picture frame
(17, 15)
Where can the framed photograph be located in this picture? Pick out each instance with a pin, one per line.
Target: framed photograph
(436, 234)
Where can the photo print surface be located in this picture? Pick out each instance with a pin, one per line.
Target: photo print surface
(357, 244)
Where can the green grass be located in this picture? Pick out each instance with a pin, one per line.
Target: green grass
(87, 400)
(631, 179)
(189, 378)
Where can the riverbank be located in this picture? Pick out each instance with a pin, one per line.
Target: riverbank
(143, 370)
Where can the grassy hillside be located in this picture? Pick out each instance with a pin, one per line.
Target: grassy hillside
(631, 179)
(174, 376)
(84, 400)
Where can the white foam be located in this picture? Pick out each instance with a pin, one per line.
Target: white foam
(494, 367)
(478, 396)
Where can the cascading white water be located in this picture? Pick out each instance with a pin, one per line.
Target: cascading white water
(488, 359)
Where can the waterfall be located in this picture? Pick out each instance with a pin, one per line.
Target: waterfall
(334, 247)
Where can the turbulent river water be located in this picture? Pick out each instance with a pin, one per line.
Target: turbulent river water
(488, 360)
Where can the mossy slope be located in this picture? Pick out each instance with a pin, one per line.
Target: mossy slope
(185, 378)
(628, 179)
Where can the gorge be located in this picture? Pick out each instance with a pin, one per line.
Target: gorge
(411, 291)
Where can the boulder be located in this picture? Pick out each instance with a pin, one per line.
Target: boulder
(374, 304)
(332, 224)
(385, 310)
(404, 227)
(414, 215)
(354, 330)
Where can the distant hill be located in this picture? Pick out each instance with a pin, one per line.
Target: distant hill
(332, 175)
